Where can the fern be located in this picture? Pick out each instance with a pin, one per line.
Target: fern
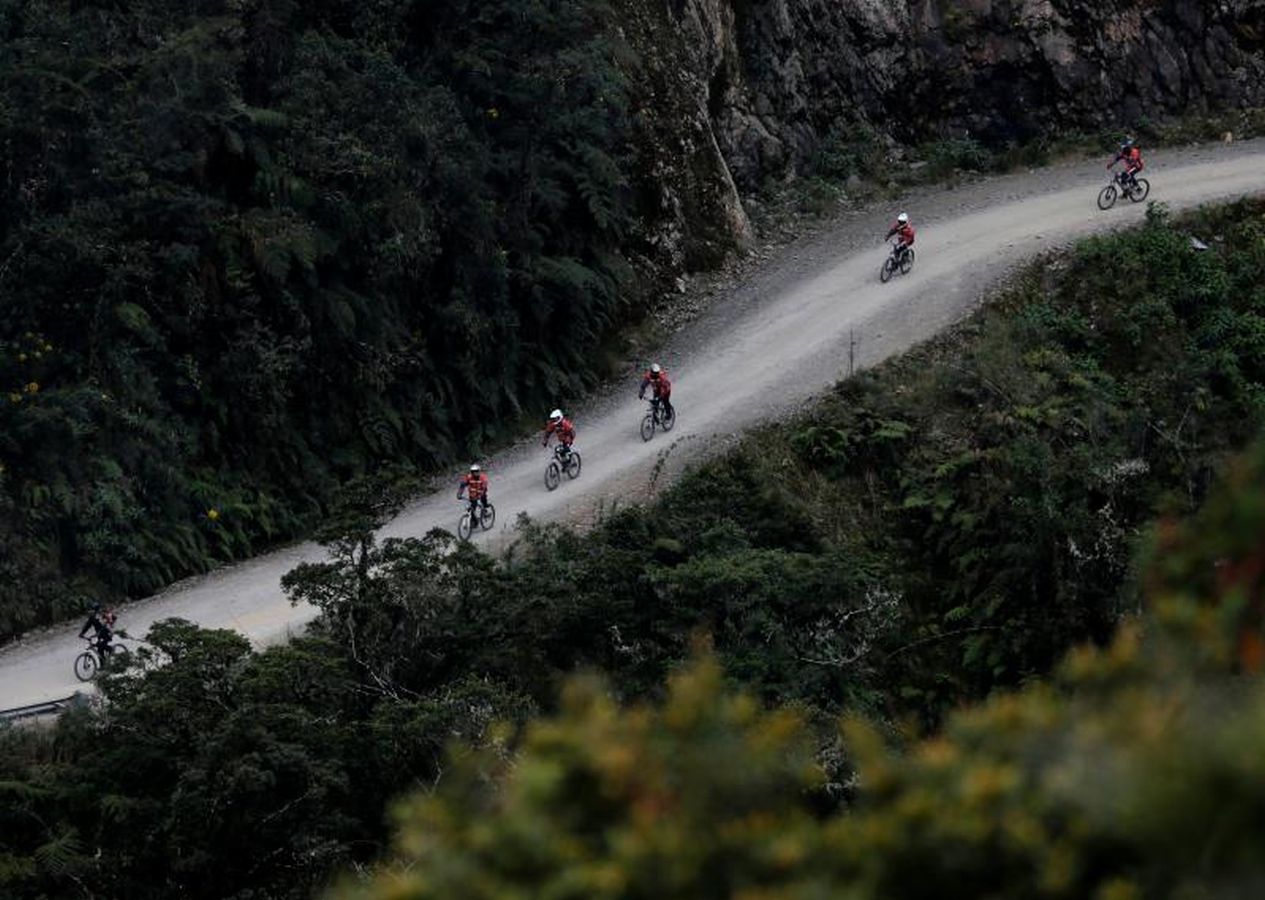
(22, 791)
(62, 855)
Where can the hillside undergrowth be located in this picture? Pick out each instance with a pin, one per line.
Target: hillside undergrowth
(251, 250)
(944, 528)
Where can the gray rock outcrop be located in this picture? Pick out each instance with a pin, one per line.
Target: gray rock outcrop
(734, 93)
(780, 73)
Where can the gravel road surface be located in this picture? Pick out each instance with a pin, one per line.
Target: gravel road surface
(776, 340)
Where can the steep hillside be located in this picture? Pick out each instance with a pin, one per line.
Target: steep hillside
(1135, 774)
(248, 250)
(776, 76)
(945, 527)
(252, 248)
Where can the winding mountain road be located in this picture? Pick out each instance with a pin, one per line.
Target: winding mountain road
(761, 350)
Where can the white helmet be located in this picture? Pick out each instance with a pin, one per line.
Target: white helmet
(655, 369)
(556, 415)
(903, 218)
(474, 467)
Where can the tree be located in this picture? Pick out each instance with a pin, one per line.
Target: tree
(1136, 773)
(249, 252)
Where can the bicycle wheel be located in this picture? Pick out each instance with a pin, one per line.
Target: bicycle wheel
(464, 527)
(667, 420)
(885, 273)
(647, 427)
(86, 665)
(1107, 197)
(1139, 193)
(552, 475)
(907, 262)
(487, 517)
(573, 466)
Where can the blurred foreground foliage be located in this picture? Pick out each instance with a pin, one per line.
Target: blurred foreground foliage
(1137, 772)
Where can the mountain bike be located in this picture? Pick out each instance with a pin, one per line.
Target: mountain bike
(485, 517)
(1136, 189)
(663, 417)
(897, 262)
(564, 460)
(90, 661)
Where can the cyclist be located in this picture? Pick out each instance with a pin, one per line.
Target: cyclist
(1131, 156)
(563, 428)
(657, 379)
(476, 482)
(904, 233)
(101, 621)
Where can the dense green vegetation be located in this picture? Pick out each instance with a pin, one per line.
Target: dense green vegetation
(248, 250)
(1137, 773)
(944, 526)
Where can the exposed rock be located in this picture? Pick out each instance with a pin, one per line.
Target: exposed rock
(692, 213)
(737, 93)
(779, 73)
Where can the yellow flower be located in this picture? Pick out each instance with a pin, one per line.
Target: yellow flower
(21, 357)
(33, 388)
(494, 113)
(213, 514)
(15, 397)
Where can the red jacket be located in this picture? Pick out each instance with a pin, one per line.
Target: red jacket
(905, 231)
(662, 385)
(477, 485)
(564, 429)
(1132, 159)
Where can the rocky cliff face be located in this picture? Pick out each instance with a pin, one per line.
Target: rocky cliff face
(690, 205)
(770, 77)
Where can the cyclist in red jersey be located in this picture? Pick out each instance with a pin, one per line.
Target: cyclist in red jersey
(1131, 156)
(657, 380)
(474, 484)
(903, 232)
(561, 426)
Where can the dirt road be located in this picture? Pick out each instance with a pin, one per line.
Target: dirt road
(766, 348)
